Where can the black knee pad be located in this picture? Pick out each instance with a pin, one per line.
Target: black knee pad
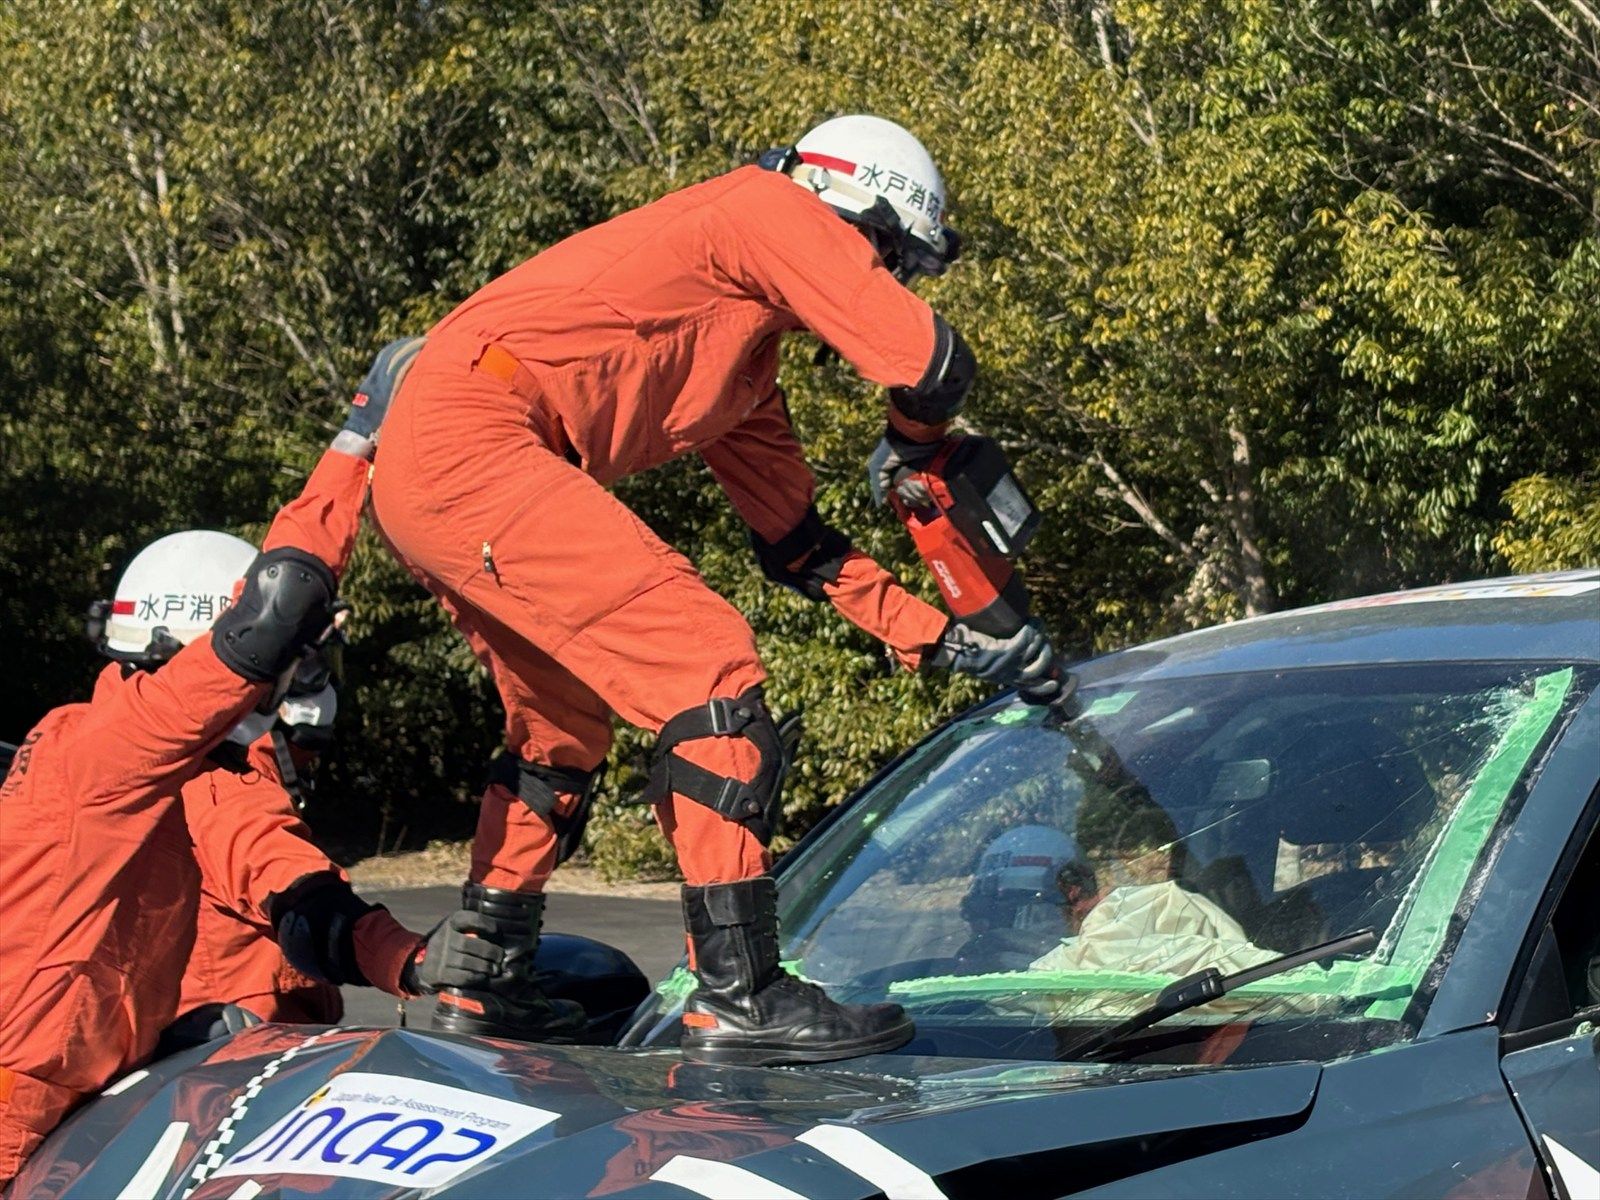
(537, 786)
(807, 558)
(757, 804)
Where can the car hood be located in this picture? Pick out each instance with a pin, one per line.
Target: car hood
(286, 1111)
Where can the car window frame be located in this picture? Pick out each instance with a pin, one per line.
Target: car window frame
(1584, 833)
(1474, 988)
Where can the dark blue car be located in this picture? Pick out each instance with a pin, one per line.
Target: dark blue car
(1305, 905)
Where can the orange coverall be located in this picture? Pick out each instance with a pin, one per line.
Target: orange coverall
(250, 844)
(98, 878)
(621, 348)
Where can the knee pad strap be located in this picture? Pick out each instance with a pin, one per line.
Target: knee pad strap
(755, 804)
(539, 787)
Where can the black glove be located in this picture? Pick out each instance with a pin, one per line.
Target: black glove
(382, 381)
(456, 953)
(895, 453)
(1024, 658)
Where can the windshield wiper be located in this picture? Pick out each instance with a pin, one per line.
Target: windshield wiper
(1211, 984)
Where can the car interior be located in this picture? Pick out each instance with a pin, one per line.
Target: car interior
(1348, 784)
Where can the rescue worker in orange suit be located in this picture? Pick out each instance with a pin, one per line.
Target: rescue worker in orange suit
(98, 881)
(251, 844)
(651, 336)
(249, 840)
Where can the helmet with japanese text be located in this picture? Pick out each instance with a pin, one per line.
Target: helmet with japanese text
(169, 595)
(875, 174)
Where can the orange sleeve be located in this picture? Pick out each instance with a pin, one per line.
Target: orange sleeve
(780, 242)
(160, 722)
(325, 518)
(249, 841)
(871, 599)
(156, 724)
(251, 845)
(383, 947)
(762, 468)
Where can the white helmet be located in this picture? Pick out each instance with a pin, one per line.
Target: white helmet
(1018, 881)
(169, 595)
(877, 175)
(1027, 858)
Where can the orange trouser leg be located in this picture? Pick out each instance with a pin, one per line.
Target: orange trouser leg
(552, 718)
(538, 559)
(29, 1109)
(514, 848)
(710, 848)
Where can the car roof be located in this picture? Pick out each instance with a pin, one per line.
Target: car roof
(1553, 617)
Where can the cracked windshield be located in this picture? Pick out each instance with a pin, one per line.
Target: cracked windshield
(1023, 880)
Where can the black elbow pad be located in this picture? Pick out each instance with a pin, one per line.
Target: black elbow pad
(943, 388)
(286, 605)
(806, 558)
(315, 922)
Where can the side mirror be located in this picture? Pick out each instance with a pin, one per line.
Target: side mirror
(601, 978)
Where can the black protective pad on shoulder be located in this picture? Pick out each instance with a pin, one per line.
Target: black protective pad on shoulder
(315, 919)
(806, 558)
(756, 804)
(539, 787)
(286, 604)
(943, 388)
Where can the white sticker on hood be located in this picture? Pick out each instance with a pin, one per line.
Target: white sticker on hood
(402, 1132)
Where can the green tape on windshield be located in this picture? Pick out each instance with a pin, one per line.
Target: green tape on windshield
(1107, 706)
(679, 986)
(1424, 930)
(1389, 985)
(1339, 979)
(1010, 982)
(1011, 716)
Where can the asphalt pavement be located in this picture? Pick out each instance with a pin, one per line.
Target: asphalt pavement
(648, 931)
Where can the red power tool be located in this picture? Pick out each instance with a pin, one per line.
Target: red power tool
(969, 518)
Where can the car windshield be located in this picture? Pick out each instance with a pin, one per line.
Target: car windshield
(1022, 880)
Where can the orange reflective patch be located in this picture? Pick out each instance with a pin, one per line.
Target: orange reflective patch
(496, 360)
(696, 1020)
(466, 1002)
(8, 1080)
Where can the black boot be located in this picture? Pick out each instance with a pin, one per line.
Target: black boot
(513, 1004)
(748, 1010)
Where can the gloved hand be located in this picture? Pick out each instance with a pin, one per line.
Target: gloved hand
(894, 453)
(378, 387)
(1024, 658)
(456, 953)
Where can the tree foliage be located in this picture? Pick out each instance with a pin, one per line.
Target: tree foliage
(1275, 303)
